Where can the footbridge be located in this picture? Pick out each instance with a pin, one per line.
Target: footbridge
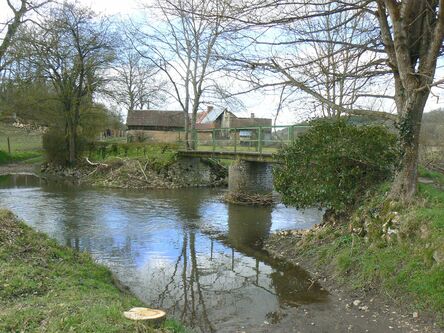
(253, 148)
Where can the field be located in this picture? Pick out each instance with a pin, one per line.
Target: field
(20, 139)
(25, 145)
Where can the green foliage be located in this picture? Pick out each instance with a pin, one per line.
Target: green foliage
(33, 101)
(334, 163)
(96, 118)
(46, 287)
(6, 158)
(56, 147)
(158, 155)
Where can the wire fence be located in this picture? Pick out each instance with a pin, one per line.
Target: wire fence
(18, 143)
(256, 139)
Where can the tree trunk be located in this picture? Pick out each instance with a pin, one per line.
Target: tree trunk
(72, 146)
(193, 130)
(187, 127)
(405, 184)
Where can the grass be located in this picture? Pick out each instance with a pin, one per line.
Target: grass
(403, 266)
(20, 139)
(25, 145)
(50, 288)
(158, 155)
(27, 156)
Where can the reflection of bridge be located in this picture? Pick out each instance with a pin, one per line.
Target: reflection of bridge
(252, 147)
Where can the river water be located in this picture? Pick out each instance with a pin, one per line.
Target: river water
(181, 250)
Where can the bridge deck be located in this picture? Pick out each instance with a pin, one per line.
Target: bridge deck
(230, 155)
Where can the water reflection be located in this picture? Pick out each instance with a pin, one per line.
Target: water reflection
(248, 226)
(19, 181)
(157, 244)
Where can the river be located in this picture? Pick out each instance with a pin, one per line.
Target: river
(181, 250)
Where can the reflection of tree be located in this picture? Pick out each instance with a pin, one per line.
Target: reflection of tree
(191, 301)
(199, 279)
(19, 180)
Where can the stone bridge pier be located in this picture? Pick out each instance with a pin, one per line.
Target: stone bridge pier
(250, 177)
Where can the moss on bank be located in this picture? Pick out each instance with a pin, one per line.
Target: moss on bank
(50, 288)
(387, 249)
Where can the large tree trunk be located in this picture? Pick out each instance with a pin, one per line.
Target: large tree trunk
(72, 146)
(187, 130)
(193, 144)
(405, 183)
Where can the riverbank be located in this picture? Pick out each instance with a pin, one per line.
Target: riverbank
(47, 287)
(387, 258)
(142, 166)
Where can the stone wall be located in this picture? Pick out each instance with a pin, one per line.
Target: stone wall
(250, 177)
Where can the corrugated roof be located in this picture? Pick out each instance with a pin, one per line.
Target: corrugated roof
(155, 118)
(210, 116)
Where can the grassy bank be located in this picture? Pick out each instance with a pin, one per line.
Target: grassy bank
(46, 287)
(387, 249)
(28, 156)
(25, 145)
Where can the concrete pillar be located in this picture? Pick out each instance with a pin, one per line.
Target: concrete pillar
(250, 177)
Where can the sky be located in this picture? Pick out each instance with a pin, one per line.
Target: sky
(259, 103)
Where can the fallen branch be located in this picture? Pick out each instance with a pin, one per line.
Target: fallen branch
(143, 171)
(95, 164)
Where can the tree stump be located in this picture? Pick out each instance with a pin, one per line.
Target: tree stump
(145, 317)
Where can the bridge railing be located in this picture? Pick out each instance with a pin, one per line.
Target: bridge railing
(261, 139)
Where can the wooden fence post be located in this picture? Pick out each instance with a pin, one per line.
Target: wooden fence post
(213, 139)
(235, 139)
(259, 143)
(9, 146)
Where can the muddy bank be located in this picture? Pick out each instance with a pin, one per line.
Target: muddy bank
(356, 310)
(133, 173)
(19, 168)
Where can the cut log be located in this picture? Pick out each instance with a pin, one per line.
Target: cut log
(145, 316)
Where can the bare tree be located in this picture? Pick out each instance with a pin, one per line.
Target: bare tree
(8, 29)
(402, 39)
(136, 83)
(184, 46)
(339, 74)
